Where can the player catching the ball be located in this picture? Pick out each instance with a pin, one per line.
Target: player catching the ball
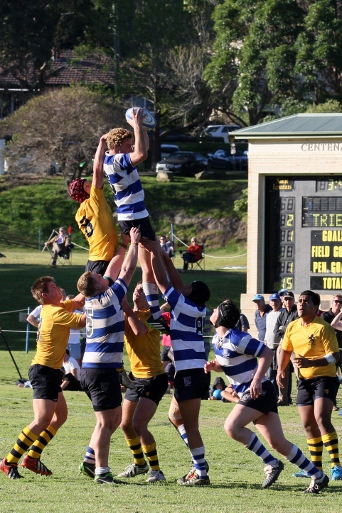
(119, 165)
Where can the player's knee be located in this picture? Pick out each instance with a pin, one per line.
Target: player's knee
(230, 429)
(174, 415)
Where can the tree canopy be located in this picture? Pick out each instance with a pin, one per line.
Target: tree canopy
(237, 60)
(62, 126)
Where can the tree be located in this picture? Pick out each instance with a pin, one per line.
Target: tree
(254, 54)
(31, 34)
(319, 59)
(62, 126)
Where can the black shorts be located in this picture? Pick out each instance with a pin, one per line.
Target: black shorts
(143, 224)
(311, 389)
(73, 384)
(164, 354)
(45, 381)
(97, 266)
(191, 384)
(149, 388)
(102, 386)
(265, 403)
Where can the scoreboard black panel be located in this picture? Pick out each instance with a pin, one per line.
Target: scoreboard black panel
(303, 234)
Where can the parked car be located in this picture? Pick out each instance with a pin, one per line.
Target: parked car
(175, 137)
(221, 131)
(185, 162)
(223, 159)
(167, 149)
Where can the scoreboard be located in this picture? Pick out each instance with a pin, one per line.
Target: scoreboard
(303, 234)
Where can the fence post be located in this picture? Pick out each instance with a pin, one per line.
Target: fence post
(172, 234)
(27, 332)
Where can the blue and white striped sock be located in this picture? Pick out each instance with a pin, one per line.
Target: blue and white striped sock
(152, 296)
(183, 435)
(90, 456)
(296, 457)
(199, 461)
(260, 450)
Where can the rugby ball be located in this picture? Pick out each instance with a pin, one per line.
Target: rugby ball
(149, 121)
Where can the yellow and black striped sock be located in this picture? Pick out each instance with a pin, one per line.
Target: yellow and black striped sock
(152, 456)
(316, 449)
(43, 439)
(135, 446)
(25, 439)
(330, 441)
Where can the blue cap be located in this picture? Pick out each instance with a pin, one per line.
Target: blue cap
(281, 292)
(274, 296)
(258, 297)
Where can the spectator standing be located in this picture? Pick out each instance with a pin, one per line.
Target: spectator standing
(34, 316)
(74, 343)
(271, 339)
(288, 315)
(260, 315)
(333, 317)
(243, 323)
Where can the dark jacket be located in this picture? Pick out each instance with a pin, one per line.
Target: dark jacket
(329, 317)
(284, 320)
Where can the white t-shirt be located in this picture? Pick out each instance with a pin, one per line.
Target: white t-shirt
(70, 365)
(36, 311)
(74, 337)
(271, 340)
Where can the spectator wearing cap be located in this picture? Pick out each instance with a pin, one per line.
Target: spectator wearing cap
(288, 315)
(282, 293)
(260, 315)
(271, 339)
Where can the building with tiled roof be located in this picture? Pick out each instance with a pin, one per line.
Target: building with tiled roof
(61, 71)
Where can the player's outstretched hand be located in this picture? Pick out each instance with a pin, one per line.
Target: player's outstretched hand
(138, 118)
(135, 235)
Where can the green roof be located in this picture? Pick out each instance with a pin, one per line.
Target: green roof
(299, 125)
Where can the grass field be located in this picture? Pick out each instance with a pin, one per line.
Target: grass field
(236, 474)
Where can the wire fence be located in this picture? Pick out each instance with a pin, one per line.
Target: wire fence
(206, 254)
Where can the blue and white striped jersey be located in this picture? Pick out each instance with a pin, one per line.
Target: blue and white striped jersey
(186, 331)
(125, 183)
(237, 353)
(105, 328)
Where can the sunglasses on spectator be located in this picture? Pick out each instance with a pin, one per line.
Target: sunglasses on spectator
(337, 301)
